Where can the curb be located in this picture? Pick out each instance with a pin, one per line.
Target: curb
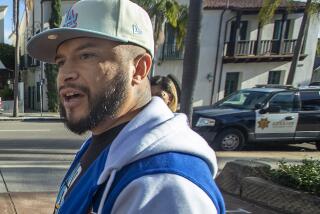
(278, 197)
(31, 119)
(244, 179)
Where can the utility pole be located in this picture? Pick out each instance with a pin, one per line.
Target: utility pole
(41, 66)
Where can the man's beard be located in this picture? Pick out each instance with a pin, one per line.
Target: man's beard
(104, 104)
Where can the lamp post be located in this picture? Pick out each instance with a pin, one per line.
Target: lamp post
(41, 66)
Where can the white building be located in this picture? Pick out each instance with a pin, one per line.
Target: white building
(235, 53)
(3, 10)
(31, 69)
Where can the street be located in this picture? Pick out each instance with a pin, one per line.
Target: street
(34, 156)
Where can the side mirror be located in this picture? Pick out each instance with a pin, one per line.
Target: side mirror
(258, 106)
(262, 111)
(274, 109)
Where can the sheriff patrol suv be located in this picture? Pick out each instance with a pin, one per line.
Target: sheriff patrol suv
(265, 113)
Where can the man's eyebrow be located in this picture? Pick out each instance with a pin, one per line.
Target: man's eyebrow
(81, 47)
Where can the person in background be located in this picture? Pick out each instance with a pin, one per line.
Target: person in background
(168, 89)
(141, 158)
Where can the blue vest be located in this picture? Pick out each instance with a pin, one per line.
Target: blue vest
(87, 193)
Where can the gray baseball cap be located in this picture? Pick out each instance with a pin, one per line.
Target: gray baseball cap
(116, 20)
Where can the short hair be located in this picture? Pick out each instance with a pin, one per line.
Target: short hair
(167, 85)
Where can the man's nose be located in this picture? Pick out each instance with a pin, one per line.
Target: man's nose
(68, 73)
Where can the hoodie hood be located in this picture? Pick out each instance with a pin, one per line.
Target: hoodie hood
(155, 130)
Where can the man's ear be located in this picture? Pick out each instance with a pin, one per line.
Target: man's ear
(143, 65)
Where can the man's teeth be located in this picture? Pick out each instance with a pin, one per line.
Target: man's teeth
(70, 94)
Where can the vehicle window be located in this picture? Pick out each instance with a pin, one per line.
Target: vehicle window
(244, 99)
(285, 100)
(310, 100)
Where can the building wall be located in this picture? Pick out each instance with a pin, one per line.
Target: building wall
(250, 73)
(305, 68)
(1, 30)
(32, 76)
(3, 11)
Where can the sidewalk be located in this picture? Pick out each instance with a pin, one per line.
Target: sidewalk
(27, 203)
(31, 116)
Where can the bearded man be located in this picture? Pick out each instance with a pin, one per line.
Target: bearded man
(141, 158)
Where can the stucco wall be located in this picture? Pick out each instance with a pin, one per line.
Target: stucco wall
(305, 68)
(1, 31)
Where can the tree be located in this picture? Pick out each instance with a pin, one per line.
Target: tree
(191, 57)
(267, 12)
(51, 71)
(162, 11)
(55, 18)
(17, 58)
(318, 48)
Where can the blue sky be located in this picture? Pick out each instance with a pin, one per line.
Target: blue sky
(8, 18)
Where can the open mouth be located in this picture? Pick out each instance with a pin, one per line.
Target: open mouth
(72, 95)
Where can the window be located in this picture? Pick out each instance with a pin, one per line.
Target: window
(242, 30)
(170, 49)
(277, 30)
(288, 30)
(232, 80)
(284, 100)
(244, 99)
(310, 100)
(274, 77)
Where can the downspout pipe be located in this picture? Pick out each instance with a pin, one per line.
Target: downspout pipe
(217, 56)
(221, 65)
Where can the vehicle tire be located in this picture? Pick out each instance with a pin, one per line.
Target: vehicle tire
(229, 140)
(318, 145)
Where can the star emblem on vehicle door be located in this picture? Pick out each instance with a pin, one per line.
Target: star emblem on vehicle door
(263, 123)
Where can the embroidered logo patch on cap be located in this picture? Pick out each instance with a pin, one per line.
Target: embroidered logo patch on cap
(71, 19)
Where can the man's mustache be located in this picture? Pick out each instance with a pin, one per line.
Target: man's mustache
(78, 87)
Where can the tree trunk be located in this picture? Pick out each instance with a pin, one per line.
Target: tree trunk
(191, 57)
(17, 59)
(298, 47)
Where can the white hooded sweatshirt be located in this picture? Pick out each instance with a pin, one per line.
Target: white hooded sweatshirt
(156, 130)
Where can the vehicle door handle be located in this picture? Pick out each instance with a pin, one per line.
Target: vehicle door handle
(289, 118)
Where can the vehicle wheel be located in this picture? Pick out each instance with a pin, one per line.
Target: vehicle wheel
(229, 140)
(318, 145)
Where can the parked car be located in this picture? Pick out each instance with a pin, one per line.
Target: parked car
(281, 114)
(1, 106)
(314, 84)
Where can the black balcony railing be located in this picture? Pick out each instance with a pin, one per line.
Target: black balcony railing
(171, 51)
(264, 47)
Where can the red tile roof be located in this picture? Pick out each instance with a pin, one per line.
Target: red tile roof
(246, 4)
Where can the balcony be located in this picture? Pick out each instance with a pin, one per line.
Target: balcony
(171, 52)
(263, 51)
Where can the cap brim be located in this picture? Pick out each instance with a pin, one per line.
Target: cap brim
(43, 46)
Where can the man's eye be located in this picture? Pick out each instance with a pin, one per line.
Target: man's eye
(86, 56)
(60, 63)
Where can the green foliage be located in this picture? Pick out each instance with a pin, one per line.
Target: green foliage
(55, 18)
(6, 93)
(314, 7)
(166, 11)
(7, 55)
(305, 176)
(267, 11)
(51, 72)
(318, 48)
